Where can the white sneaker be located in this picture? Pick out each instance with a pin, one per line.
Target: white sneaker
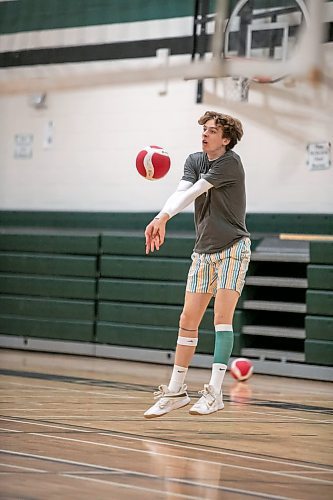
(208, 403)
(167, 401)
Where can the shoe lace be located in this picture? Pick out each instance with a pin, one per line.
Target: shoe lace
(208, 394)
(161, 391)
(161, 395)
(206, 391)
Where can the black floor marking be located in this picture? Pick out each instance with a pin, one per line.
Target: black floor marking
(146, 388)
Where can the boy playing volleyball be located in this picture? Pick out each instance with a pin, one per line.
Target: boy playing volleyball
(215, 179)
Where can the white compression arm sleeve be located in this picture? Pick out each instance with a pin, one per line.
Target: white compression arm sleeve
(184, 195)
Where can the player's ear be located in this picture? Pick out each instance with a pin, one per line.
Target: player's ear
(225, 141)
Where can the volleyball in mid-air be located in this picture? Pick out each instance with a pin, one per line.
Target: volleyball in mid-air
(241, 369)
(153, 162)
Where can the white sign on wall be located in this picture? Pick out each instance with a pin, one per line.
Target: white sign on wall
(23, 145)
(319, 155)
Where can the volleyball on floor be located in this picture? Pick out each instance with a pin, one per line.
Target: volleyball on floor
(153, 162)
(241, 369)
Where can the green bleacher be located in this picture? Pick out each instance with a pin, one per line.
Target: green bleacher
(84, 277)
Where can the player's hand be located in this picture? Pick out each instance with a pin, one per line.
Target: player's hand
(155, 234)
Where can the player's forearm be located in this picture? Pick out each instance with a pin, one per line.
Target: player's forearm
(183, 198)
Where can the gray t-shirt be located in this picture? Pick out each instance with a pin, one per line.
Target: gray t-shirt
(219, 214)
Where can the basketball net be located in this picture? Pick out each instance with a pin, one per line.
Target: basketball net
(236, 88)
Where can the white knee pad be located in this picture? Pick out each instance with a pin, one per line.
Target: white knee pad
(189, 341)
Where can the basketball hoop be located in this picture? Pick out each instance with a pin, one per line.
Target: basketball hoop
(262, 34)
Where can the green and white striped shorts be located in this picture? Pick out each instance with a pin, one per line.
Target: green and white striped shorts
(227, 269)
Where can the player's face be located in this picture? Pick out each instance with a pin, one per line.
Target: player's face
(213, 142)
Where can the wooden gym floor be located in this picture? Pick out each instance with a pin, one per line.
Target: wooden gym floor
(73, 428)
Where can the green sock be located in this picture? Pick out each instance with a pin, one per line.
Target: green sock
(224, 342)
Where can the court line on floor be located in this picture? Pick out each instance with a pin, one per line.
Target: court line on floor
(111, 384)
(315, 472)
(80, 412)
(66, 389)
(136, 450)
(87, 415)
(165, 455)
(225, 411)
(21, 467)
(169, 444)
(140, 488)
(226, 489)
(143, 474)
(31, 388)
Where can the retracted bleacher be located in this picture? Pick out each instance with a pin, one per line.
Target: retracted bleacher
(48, 284)
(81, 283)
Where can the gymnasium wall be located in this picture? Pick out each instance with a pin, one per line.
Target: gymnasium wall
(97, 133)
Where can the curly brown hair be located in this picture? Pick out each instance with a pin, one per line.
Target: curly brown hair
(231, 127)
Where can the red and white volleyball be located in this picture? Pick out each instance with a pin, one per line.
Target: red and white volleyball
(153, 162)
(241, 369)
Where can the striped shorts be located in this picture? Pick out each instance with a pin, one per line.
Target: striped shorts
(226, 269)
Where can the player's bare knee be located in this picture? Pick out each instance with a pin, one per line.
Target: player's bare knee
(222, 318)
(185, 320)
(187, 324)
